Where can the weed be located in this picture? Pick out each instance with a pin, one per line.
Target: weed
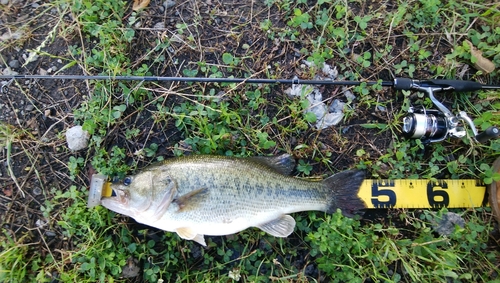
(74, 166)
(110, 164)
(427, 14)
(9, 135)
(18, 262)
(355, 253)
(304, 168)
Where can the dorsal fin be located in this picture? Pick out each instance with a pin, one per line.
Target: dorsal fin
(284, 163)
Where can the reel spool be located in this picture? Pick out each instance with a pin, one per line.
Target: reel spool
(430, 125)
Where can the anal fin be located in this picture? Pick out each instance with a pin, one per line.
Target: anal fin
(279, 227)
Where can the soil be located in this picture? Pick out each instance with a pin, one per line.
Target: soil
(43, 109)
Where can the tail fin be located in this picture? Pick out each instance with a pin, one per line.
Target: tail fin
(343, 191)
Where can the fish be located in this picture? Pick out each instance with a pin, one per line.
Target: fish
(200, 195)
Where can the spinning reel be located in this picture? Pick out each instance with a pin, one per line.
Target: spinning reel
(431, 125)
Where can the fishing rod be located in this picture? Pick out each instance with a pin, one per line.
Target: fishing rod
(429, 125)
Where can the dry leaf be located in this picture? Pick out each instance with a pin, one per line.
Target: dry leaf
(482, 63)
(140, 4)
(7, 191)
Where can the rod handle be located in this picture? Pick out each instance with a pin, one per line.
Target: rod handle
(490, 133)
(456, 85)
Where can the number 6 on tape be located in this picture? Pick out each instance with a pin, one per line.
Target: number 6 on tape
(422, 193)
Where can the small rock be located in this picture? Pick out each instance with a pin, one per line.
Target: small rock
(42, 72)
(159, 25)
(14, 64)
(168, 4)
(77, 138)
(29, 107)
(131, 269)
(311, 270)
(32, 57)
(447, 223)
(4, 2)
(8, 72)
(348, 94)
(41, 223)
(50, 234)
(37, 191)
(11, 35)
(177, 38)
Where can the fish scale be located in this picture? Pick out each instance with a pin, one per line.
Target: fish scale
(249, 199)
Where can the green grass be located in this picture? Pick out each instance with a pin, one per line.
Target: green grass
(350, 251)
(133, 124)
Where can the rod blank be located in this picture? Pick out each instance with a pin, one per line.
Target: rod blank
(195, 79)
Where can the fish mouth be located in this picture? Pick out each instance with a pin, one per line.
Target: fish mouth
(118, 202)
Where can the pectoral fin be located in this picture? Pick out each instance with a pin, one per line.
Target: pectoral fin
(280, 227)
(190, 234)
(191, 199)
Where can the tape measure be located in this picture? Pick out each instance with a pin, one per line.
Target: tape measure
(422, 193)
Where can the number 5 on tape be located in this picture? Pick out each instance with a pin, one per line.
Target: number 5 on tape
(422, 193)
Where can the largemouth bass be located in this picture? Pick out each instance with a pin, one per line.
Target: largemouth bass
(216, 195)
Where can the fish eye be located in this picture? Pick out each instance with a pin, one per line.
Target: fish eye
(127, 181)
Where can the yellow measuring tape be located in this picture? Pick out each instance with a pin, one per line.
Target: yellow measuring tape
(422, 193)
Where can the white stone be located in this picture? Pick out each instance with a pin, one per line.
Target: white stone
(168, 4)
(77, 138)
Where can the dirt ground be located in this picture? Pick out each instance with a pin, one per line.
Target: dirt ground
(40, 111)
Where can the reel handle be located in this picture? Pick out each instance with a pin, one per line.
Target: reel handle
(456, 85)
(490, 133)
